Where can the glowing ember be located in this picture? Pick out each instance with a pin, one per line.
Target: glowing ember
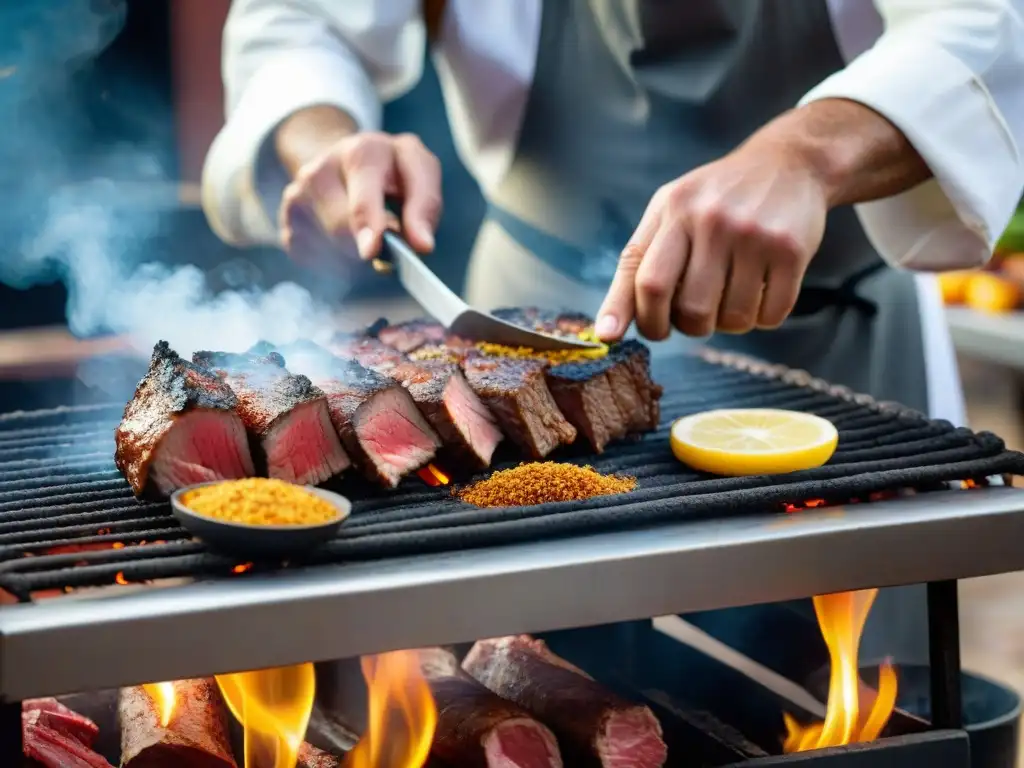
(241, 568)
(433, 476)
(163, 698)
(842, 617)
(120, 579)
(401, 714)
(273, 706)
(809, 504)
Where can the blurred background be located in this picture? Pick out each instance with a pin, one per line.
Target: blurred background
(108, 109)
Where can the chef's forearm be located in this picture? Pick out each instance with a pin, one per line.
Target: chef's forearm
(858, 154)
(309, 133)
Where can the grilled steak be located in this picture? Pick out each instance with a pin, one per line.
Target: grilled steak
(476, 728)
(197, 734)
(517, 393)
(514, 389)
(180, 428)
(287, 417)
(593, 725)
(591, 391)
(440, 391)
(379, 424)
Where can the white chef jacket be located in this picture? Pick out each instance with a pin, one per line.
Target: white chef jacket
(948, 73)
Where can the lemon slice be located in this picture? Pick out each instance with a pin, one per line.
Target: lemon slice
(753, 441)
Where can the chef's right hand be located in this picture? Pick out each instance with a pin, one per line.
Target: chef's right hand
(344, 188)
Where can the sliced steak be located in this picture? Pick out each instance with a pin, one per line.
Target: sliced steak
(593, 725)
(578, 387)
(379, 424)
(478, 729)
(466, 428)
(180, 427)
(513, 388)
(406, 337)
(287, 417)
(516, 392)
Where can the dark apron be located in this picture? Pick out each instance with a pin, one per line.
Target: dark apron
(630, 94)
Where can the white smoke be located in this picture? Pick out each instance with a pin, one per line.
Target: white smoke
(89, 217)
(90, 235)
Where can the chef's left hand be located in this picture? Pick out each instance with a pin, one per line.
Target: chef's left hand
(723, 248)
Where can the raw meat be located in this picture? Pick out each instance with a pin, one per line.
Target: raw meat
(180, 428)
(476, 728)
(287, 417)
(379, 424)
(467, 429)
(196, 736)
(56, 737)
(593, 725)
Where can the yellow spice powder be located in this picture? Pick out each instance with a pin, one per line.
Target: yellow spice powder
(543, 482)
(259, 501)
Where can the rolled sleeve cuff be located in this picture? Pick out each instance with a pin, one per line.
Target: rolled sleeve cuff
(953, 220)
(242, 177)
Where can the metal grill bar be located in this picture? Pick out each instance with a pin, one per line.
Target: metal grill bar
(62, 502)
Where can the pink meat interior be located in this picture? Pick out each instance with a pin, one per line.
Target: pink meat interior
(521, 744)
(632, 739)
(471, 417)
(201, 446)
(302, 446)
(394, 434)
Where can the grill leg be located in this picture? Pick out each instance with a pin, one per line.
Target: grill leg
(10, 733)
(944, 654)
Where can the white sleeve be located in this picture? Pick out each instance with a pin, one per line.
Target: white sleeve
(950, 75)
(280, 57)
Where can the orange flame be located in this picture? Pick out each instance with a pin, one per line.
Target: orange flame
(241, 568)
(273, 706)
(842, 617)
(401, 714)
(433, 476)
(163, 697)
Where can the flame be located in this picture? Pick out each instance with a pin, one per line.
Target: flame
(401, 714)
(120, 579)
(273, 706)
(163, 698)
(241, 568)
(809, 504)
(842, 617)
(433, 476)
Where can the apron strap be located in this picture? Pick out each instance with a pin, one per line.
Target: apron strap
(433, 16)
(813, 299)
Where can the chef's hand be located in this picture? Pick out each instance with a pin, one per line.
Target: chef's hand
(723, 248)
(344, 182)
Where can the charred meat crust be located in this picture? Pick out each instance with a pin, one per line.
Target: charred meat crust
(172, 386)
(275, 405)
(517, 394)
(265, 389)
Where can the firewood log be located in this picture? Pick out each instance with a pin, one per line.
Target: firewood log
(196, 735)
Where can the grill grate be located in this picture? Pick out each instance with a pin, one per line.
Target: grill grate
(68, 519)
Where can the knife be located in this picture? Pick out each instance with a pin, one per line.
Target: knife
(445, 306)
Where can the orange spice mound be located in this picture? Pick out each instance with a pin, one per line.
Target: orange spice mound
(543, 482)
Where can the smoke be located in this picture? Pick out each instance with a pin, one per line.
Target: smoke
(88, 210)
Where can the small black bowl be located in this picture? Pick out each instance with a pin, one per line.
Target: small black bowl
(261, 541)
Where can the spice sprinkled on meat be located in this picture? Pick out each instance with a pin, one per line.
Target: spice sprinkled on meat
(180, 427)
(286, 416)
